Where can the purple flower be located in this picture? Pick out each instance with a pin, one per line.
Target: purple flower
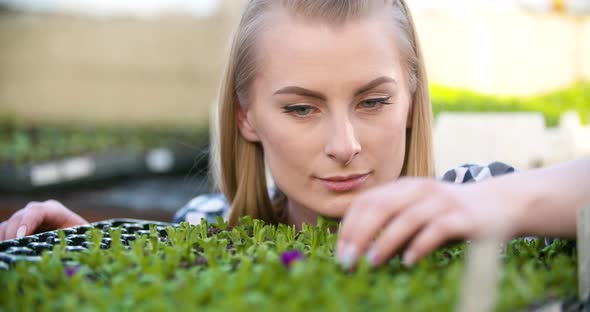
(70, 271)
(290, 256)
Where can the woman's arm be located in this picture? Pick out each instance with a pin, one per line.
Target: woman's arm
(423, 214)
(548, 197)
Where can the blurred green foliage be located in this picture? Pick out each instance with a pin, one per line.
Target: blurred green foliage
(552, 105)
(24, 143)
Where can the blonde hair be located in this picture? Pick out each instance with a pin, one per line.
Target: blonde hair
(238, 165)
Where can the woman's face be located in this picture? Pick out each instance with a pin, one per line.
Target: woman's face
(329, 105)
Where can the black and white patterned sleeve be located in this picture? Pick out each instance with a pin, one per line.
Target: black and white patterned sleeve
(208, 207)
(475, 173)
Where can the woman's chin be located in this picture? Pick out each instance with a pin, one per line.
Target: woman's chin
(334, 207)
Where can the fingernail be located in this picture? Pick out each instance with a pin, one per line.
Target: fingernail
(348, 256)
(339, 245)
(409, 258)
(372, 256)
(22, 230)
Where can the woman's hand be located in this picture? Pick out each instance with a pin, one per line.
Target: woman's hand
(38, 217)
(421, 214)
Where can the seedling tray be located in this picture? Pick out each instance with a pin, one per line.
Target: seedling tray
(30, 248)
(126, 264)
(49, 156)
(35, 157)
(101, 166)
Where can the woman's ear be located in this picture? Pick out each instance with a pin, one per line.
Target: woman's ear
(247, 129)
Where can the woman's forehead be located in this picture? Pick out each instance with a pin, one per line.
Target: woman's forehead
(298, 50)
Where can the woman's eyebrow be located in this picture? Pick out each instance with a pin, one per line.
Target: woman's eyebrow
(301, 91)
(318, 95)
(374, 83)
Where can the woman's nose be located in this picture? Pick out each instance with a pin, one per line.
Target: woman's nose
(342, 144)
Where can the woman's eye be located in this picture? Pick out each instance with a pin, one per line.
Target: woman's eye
(299, 110)
(373, 103)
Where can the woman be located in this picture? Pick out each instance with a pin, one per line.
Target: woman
(332, 97)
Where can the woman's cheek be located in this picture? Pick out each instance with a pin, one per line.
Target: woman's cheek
(386, 146)
(288, 157)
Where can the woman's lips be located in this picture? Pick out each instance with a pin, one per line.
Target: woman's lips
(344, 184)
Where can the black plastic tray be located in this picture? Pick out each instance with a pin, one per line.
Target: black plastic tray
(29, 248)
(102, 166)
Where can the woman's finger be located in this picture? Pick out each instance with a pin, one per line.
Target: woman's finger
(13, 225)
(49, 214)
(25, 221)
(58, 216)
(33, 217)
(2, 229)
(402, 228)
(364, 226)
(371, 211)
(448, 227)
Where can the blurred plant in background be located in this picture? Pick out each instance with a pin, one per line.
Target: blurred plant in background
(552, 105)
(24, 142)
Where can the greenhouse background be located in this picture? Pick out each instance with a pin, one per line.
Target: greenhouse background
(105, 105)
